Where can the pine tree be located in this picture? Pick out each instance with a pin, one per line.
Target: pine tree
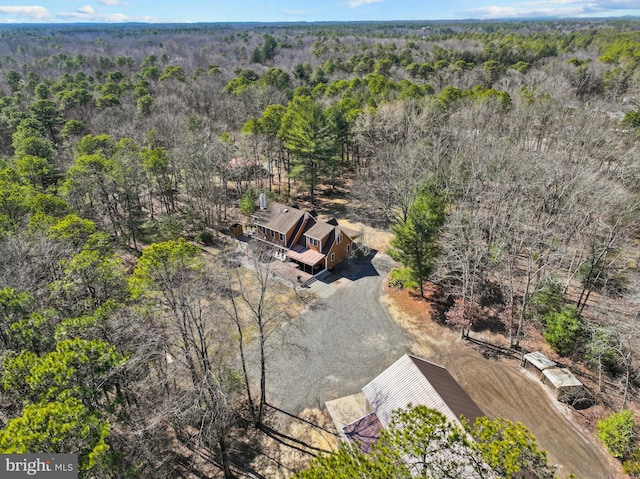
(414, 242)
(309, 134)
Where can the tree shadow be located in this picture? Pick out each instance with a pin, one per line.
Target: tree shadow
(270, 429)
(298, 418)
(438, 300)
(438, 315)
(490, 323)
(292, 442)
(493, 351)
(243, 454)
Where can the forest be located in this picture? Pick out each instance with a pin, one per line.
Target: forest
(502, 156)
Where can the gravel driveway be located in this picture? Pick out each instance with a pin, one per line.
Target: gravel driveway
(339, 344)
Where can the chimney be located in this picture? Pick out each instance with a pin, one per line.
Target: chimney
(262, 201)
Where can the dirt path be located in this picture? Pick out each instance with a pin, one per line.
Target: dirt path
(501, 388)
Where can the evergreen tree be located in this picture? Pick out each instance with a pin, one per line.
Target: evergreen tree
(269, 46)
(414, 243)
(618, 433)
(562, 330)
(309, 134)
(421, 442)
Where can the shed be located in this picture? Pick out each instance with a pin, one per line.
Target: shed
(565, 385)
(537, 362)
(236, 230)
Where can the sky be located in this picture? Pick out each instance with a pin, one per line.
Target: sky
(155, 11)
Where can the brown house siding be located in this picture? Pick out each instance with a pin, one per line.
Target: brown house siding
(302, 228)
(315, 248)
(340, 251)
(275, 240)
(267, 237)
(288, 234)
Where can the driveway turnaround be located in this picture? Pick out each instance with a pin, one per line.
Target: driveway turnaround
(339, 344)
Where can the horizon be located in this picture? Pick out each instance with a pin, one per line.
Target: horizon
(318, 22)
(34, 12)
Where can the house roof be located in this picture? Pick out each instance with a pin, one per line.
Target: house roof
(561, 378)
(327, 245)
(282, 218)
(319, 230)
(243, 163)
(365, 432)
(347, 409)
(353, 234)
(278, 217)
(539, 360)
(412, 380)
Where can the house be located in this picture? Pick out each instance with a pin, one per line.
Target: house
(410, 380)
(302, 237)
(245, 169)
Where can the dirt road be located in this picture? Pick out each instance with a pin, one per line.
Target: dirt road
(501, 388)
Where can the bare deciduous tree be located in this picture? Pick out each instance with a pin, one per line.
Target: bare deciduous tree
(258, 306)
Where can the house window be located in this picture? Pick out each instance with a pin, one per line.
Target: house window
(333, 257)
(349, 248)
(339, 238)
(264, 231)
(313, 242)
(273, 234)
(281, 237)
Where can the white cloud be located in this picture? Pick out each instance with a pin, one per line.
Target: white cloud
(87, 10)
(619, 4)
(547, 3)
(359, 3)
(84, 16)
(294, 13)
(520, 12)
(38, 13)
(117, 17)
